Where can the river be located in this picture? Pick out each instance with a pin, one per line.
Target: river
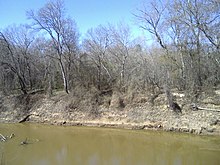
(58, 145)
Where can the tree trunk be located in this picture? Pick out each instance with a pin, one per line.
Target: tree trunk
(99, 73)
(172, 105)
(65, 81)
(49, 90)
(30, 77)
(23, 86)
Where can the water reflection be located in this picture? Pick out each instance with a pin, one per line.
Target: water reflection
(53, 145)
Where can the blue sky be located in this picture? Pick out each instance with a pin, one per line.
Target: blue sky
(87, 13)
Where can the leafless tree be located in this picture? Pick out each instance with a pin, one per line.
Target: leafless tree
(121, 38)
(186, 30)
(16, 42)
(62, 31)
(96, 45)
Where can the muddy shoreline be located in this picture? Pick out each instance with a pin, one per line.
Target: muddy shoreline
(121, 125)
(157, 126)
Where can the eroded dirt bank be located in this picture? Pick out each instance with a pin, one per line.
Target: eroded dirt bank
(113, 110)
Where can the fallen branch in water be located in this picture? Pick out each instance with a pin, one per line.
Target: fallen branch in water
(3, 138)
(11, 136)
(24, 142)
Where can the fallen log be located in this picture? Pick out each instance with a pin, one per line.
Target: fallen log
(25, 118)
(196, 107)
(208, 109)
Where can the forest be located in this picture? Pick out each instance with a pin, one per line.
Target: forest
(48, 54)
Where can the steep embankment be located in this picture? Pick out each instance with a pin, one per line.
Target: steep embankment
(109, 109)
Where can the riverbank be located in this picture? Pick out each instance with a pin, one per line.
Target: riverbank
(113, 111)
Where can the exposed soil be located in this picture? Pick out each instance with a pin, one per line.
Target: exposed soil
(112, 109)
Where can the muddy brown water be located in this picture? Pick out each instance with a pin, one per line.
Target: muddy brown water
(57, 145)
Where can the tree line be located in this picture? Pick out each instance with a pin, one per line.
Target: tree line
(47, 54)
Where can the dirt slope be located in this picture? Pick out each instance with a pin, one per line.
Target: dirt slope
(113, 110)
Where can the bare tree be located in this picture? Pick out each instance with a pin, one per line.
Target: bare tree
(96, 45)
(186, 30)
(121, 37)
(195, 23)
(16, 42)
(44, 64)
(152, 20)
(62, 31)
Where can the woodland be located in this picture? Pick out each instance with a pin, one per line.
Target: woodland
(48, 54)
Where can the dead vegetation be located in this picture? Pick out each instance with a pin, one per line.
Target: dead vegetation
(134, 106)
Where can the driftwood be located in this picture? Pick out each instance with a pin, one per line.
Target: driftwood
(196, 107)
(3, 138)
(25, 118)
(24, 142)
(12, 135)
(29, 141)
(208, 109)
